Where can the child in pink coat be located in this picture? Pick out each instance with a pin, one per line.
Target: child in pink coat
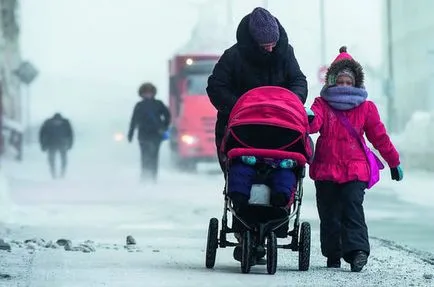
(340, 167)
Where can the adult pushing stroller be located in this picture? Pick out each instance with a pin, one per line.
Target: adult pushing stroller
(268, 123)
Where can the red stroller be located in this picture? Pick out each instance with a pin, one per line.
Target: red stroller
(266, 122)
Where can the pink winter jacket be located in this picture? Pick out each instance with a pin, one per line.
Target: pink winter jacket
(338, 155)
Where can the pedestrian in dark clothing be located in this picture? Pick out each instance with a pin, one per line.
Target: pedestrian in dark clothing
(56, 137)
(152, 118)
(261, 57)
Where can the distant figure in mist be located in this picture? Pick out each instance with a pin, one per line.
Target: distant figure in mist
(152, 118)
(56, 137)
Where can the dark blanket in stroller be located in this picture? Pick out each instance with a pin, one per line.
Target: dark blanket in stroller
(281, 180)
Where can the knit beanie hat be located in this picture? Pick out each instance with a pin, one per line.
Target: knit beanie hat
(263, 26)
(347, 72)
(343, 55)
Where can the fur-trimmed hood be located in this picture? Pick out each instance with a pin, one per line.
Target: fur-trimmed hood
(345, 61)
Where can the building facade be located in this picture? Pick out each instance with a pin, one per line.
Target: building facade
(412, 57)
(11, 116)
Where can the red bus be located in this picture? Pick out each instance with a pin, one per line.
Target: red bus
(192, 135)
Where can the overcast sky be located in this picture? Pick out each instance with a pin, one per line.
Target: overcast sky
(100, 50)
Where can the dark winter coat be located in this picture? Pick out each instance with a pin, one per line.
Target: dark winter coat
(151, 117)
(245, 66)
(56, 133)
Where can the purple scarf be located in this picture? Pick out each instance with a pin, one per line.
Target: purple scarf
(344, 98)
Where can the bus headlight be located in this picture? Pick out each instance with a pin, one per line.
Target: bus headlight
(188, 139)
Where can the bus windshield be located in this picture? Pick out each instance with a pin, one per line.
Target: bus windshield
(196, 84)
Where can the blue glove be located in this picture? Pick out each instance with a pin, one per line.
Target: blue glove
(166, 135)
(397, 173)
(310, 114)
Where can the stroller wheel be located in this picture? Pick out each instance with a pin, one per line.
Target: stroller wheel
(212, 242)
(271, 253)
(246, 258)
(304, 247)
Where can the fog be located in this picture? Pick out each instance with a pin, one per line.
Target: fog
(99, 51)
(92, 56)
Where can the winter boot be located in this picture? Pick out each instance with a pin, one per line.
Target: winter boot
(238, 253)
(333, 262)
(359, 261)
(260, 256)
(238, 250)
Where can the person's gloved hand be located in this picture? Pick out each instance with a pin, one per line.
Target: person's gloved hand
(397, 173)
(165, 135)
(310, 114)
(130, 137)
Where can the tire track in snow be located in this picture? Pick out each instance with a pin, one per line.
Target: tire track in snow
(424, 256)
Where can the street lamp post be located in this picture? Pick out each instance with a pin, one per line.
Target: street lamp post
(430, 98)
(27, 73)
(230, 18)
(391, 81)
(322, 32)
(2, 143)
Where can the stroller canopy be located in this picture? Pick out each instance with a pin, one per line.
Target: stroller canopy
(268, 118)
(270, 105)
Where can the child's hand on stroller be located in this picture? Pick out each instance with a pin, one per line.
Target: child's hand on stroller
(397, 173)
(310, 114)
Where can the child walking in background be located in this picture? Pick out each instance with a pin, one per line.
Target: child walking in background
(343, 167)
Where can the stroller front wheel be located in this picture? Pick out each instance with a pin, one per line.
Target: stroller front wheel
(246, 258)
(212, 243)
(271, 253)
(304, 247)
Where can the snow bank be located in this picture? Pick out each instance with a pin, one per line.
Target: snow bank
(416, 143)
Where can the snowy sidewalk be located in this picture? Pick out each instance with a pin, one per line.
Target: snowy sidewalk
(169, 222)
(177, 259)
(170, 229)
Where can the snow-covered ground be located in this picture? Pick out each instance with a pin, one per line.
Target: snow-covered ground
(103, 201)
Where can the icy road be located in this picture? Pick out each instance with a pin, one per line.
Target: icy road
(101, 202)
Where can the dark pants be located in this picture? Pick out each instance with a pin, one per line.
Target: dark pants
(343, 228)
(241, 177)
(52, 160)
(149, 151)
